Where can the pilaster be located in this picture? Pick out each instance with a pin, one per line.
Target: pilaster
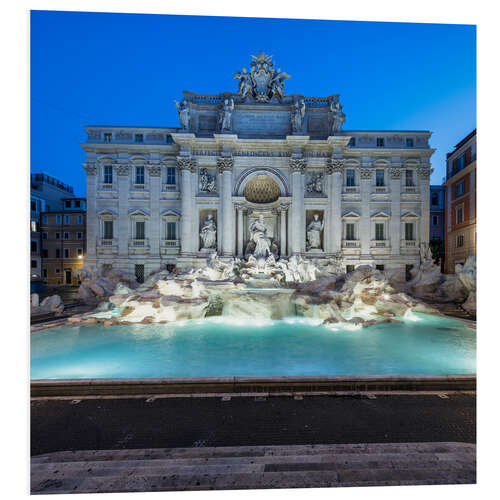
(335, 172)
(424, 174)
(185, 165)
(297, 167)
(225, 167)
(365, 181)
(123, 172)
(91, 233)
(395, 175)
(154, 170)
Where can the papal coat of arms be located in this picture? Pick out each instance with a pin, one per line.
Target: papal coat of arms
(263, 82)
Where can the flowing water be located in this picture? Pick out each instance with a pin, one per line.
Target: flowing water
(225, 346)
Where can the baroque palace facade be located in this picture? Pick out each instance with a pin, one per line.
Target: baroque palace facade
(260, 173)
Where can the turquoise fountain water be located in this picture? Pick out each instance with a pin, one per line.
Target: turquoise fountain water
(225, 346)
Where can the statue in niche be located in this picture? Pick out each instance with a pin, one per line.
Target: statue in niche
(299, 110)
(314, 233)
(183, 110)
(336, 116)
(315, 185)
(209, 233)
(226, 114)
(258, 235)
(207, 182)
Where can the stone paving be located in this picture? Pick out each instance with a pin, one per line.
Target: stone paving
(252, 467)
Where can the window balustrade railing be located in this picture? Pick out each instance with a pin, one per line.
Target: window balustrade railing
(350, 243)
(409, 243)
(380, 243)
(139, 242)
(170, 243)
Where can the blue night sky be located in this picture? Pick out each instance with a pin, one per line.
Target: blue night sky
(126, 69)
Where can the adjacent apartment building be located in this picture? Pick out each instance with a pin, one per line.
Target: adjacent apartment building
(63, 242)
(460, 209)
(46, 194)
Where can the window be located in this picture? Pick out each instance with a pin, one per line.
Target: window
(349, 231)
(77, 203)
(58, 271)
(139, 175)
(408, 269)
(139, 138)
(108, 174)
(58, 253)
(45, 253)
(66, 236)
(349, 179)
(460, 163)
(66, 253)
(169, 139)
(79, 236)
(34, 246)
(79, 251)
(460, 240)
(349, 268)
(44, 236)
(171, 232)
(58, 219)
(44, 272)
(379, 177)
(171, 175)
(44, 219)
(66, 219)
(459, 189)
(33, 225)
(460, 215)
(67, 203)
(140, 230)
(409, 235)
(379, 231)
(108, 230)
(139, 273)
(379, 267)
(58, 236)
(435, 199)
(33, 264)
(108, 137)
(409, 142)
(80, 219)
(33, 206)
(409, 178)
(435, 220)
(352, 142)
(380, 142)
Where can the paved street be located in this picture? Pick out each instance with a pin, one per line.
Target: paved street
(100, 424)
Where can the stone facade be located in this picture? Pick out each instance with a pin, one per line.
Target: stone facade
(460, 208)
(437, 212)
(255, 171)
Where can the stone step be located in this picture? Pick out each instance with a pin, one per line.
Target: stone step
(251, 467)
(250, 451)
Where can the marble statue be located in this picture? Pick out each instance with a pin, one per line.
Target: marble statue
(299, 110)
(226, 114)
(209, 232)
(258, 234)
(315, 185)
(314, 232)
(183, 110)
(207, 182)
(337, 117)
(263, 82)
(425, 254)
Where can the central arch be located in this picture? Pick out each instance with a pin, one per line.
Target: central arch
(271, 173)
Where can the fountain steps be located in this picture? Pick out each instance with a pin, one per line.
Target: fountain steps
(252, 467)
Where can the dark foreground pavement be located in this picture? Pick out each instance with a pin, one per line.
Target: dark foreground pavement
(112, 424)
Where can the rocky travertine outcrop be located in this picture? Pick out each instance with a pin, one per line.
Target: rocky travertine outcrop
(269, 289)
(52, 304)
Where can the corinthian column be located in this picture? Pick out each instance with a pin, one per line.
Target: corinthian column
(395, 232)
(365, 175)
(335, 171)
(154, 170)
(424, 173)
(239, 249)
(123, 222)
(185, 164)
(91, 253)
(297, 166)
(225, 166)
(283, 209)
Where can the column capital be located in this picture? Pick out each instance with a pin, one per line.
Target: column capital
(122, 169)
(186, 163)
(334, 165)
(225, 164)
(154, 170)
(425, 172)
(395, 173)
(365, 173)
(298, 165)
(90, 168)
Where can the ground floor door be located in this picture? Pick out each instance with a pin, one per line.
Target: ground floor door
(67, 274)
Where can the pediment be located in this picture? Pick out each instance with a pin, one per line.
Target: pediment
(106, 212)
(138, 213)
(170, 212)
(410, 215)
(351, 215)
(381, 215)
